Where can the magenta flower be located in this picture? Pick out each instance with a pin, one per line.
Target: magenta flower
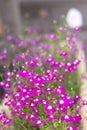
(32, 105)
(7, 121)
(50, 60)
(48, 90)
(71, 128)
(31, 63)
(7, 74)
(22, 114)
(65, 118)
(76, 62)
(7, 85)
(50, 109)
(2, 116)
(15, 111)
(39, 122)
(36, 92)
(9, 38)
(77, 98)
(84, 102)
(52, 36)
(61, 103)
(8, 103)
(78, 117)
(23, 73)
(65, 102)
(59, 90)
(77, 29)
(61, 28)
(32, 117)
(51, 117)
(36, 100)
(64, 54)
(75, 119)
(18, 105)
(43, 102)
(23, 100)
(62, 110)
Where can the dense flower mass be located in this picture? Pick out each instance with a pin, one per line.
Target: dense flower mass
(39, 83)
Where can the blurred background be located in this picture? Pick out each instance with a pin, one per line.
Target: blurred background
(14, 14)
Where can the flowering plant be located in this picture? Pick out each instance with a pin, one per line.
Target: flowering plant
(42, 82)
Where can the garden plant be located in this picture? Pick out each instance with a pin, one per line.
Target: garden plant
(41, 82)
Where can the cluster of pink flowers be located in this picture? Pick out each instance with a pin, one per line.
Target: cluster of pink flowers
(35, 83)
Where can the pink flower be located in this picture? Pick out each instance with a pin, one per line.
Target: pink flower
(39, 122)
(51, 117)
(76, 119)
(50, 109)
(59, 90)
(15, 111)
(71, 128)
(22, 114)
(65, 118)
(52, 36)
(7, 121)
(65, 102)
(77, 98)
(2, 115)
(9, 38)
(62, 110)
(32, 117)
